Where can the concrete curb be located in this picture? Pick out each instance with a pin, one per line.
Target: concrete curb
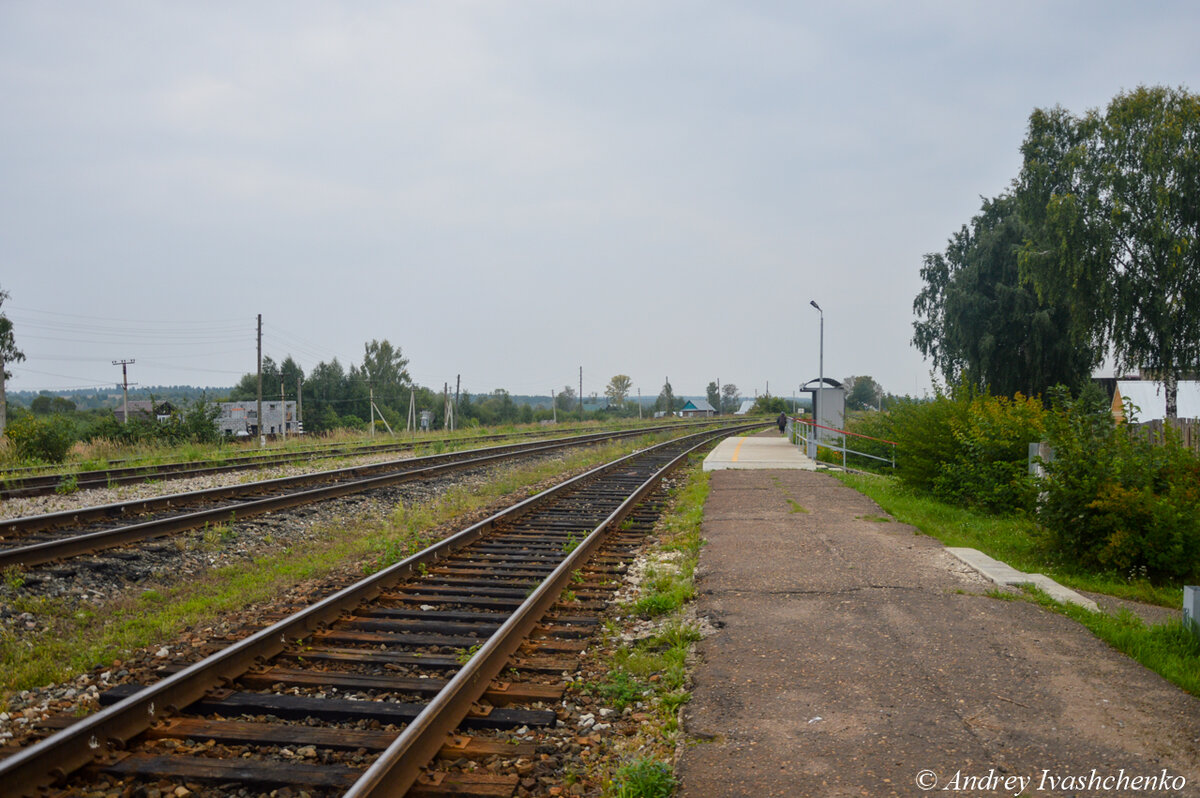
(1004, 574)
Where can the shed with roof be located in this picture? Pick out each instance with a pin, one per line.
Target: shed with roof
(697, 407)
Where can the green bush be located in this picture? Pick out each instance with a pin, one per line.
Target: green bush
(196, 424)
(924, 439)
(47, 439)
(1115, 500)
(877, 427)
(971, 450)
(644, 778)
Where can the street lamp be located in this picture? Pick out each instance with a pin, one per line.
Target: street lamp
(820, 380)
(821, 374)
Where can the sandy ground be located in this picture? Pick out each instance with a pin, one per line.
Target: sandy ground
(855, 658)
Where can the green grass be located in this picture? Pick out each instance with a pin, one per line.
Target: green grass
(1012, 539)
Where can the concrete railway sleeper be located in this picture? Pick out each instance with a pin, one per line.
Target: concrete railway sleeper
(36, 540)
(388, 686)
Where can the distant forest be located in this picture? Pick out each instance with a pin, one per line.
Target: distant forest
(110, 398)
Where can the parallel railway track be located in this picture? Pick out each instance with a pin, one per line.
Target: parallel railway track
(24, 482)
(35, 540)
(417, 650)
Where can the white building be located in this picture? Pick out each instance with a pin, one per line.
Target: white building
(239, 419)
(1149, 399)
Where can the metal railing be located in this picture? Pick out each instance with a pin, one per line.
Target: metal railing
(812, 436)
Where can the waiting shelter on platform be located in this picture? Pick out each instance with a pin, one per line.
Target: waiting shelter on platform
(829, 409)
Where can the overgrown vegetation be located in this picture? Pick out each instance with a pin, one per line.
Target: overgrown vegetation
(1117, 500)
(48, 435)
(1113, 500)
(970, 449)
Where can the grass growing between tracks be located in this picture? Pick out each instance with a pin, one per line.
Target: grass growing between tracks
(76, 637)
(1168, 649)
(646, 671)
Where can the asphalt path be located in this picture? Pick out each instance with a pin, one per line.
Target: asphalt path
(855, 657)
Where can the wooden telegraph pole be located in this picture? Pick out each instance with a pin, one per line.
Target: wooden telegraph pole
(124, 364)
(262, 439)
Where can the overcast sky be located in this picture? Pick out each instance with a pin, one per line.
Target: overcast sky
(511, 190)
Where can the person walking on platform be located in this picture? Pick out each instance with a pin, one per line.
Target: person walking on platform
(781, 422)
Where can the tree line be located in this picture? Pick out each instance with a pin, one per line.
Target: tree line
(337, 396)
(1094, 249)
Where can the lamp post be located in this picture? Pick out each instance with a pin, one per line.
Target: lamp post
(820, 381)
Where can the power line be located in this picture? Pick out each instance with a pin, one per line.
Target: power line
(207, 323)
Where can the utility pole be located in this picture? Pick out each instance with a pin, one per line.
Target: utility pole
(457, 387)
(371, 399)
(718, 396)
(581, 394)
(282, 412)
(262, 439)
(412, 411)
(124, 364)
(639, 404)
(554, 405)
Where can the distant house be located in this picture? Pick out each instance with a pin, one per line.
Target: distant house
(1149, 399)
(697, 407)
(239, 419)
(145, 409)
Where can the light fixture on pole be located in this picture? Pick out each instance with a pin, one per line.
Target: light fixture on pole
(821, 373)
(820, 377)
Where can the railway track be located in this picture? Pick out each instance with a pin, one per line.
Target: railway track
(393, 685)
(21, 483)
(36, 540)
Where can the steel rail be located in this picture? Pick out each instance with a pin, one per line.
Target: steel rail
(14, 484)
(104, 512)
(88, 543)
(32, 770)
(43, 484)
(399, 766)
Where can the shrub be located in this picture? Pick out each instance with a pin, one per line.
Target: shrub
(877, 427)
(992, 467)
(971, 450)
(46, 439)
(1116, 500)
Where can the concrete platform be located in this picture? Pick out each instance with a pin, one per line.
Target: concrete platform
(764, 450)
(850, 656)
